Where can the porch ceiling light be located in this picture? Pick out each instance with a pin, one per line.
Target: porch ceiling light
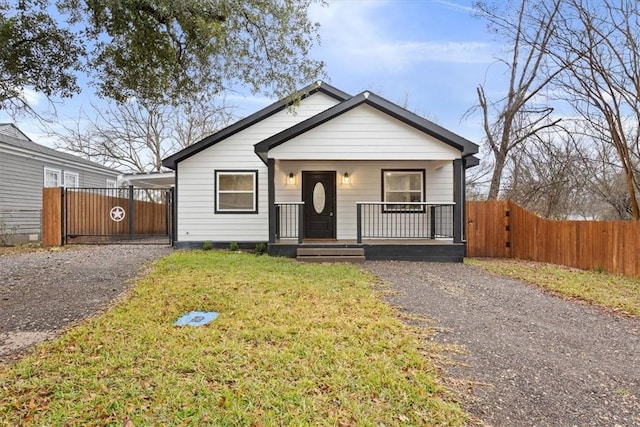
(292, 178)
(346, 179)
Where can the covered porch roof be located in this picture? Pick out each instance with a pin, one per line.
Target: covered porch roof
(147, 180)
(464, 147)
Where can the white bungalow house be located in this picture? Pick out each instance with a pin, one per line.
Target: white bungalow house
(354, 173)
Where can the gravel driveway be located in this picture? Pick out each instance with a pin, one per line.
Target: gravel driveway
(533, 359)
(41, 292)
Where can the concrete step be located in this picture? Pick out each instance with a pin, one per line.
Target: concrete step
(329, 254)
(337, 251)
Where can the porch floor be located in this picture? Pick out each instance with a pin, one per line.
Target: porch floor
(367, 242)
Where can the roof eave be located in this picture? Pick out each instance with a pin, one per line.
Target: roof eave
(273, 141)
(171, 161)
(465, 146)
(471, 161)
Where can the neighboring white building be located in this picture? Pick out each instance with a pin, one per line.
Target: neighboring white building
(355, 171)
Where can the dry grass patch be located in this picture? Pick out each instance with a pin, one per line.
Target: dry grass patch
(607, 290)
(295, 344)
(24, 249)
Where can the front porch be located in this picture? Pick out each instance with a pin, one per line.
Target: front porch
(400, 210)
(413, 231)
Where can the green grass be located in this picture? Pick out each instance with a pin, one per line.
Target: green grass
(607, 290)
(295, 344)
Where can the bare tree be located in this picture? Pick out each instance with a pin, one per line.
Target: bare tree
(601, 176)
(516, 117)
(478, 179)
(607, 184)
(596, 46)
(544, 176)
(133, 136)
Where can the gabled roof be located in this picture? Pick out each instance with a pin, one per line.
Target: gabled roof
(13, 130)
(467, 147)
(171, 161)
(20, 144)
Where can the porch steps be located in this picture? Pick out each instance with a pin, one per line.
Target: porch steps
(330, 254)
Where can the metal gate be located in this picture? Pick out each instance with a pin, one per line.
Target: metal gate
(118, 215)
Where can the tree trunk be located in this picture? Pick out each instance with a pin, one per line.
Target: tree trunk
(635, 210)
(496, 178)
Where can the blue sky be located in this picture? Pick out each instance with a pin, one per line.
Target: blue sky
(429, 54)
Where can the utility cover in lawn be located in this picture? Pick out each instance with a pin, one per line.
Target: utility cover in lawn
(196, 318)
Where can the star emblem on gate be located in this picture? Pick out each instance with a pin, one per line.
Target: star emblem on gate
(117, 214)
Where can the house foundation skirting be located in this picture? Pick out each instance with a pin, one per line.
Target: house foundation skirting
(215, 245)
(380, 251)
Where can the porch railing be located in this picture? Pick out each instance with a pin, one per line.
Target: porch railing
(289, 220)
(409, 220)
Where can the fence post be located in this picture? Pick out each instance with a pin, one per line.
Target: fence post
(52, 216)
(132, 224)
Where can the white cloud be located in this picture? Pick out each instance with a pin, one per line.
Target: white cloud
(360, 36)
(251, 99)
(31, 97)
(456, 6)
(397, 56)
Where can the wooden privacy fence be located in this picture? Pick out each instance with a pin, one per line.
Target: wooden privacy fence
(502, 229)
(82, 215)
(52, 216)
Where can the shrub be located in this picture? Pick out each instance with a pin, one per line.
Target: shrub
(207, 246)
(6, 232)
(233, 247)
(261, 248)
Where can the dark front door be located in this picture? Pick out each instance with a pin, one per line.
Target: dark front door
(319, 197)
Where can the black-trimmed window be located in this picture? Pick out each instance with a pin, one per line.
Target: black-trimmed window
(402, 185)
(236, 191)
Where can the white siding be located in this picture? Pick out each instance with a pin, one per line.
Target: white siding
(22, 177)
(365, 186)
(364, 133)
(196, 218)
(22, 180)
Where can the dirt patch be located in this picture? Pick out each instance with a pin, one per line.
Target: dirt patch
(14, 342)
(532, 359)
(41, 292)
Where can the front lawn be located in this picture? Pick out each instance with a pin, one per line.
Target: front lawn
(607, 290)
(295, 344)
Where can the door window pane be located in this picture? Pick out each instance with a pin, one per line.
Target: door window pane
(319, 198)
